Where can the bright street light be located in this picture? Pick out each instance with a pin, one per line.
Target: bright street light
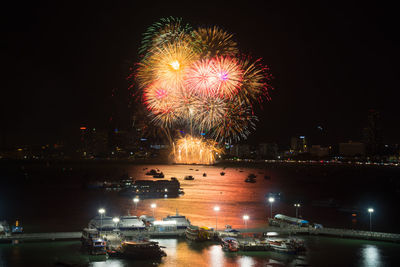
(136, 201)
(370, 210)
(297, 205)
(116, 220)
(101, 211)
(153, 206)
(245, 218)
(271, 200)
(216, 209)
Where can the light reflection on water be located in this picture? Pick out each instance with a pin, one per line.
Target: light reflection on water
(371, 256)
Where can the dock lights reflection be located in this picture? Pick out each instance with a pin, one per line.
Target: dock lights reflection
(271, 200)
(216, 209)
(297, 206)
(153, 207)
(245, 218)
(370, 210)
(101, 211)
(136, 201)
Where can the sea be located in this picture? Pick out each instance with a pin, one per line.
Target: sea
(51, 196)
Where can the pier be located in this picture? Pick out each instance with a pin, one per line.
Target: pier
(334, 232)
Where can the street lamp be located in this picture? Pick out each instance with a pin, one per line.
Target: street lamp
(297, 205)
(101, 211)
(216, 209)
(370, 210)
(116, 220)
(271, 200)
(153, 206)
(136, 201)
(245, 218)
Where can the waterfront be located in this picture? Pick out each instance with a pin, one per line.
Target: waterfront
(51, 198)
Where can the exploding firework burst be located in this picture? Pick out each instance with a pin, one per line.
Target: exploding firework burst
(197, 82)
(212, 42)
(167, 30)
(167, 64)
(221, 76)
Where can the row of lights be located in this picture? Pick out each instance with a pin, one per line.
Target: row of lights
(216, 209)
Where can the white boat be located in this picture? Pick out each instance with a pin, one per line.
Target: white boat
(130, 223)
(104, 224)
(181, 221)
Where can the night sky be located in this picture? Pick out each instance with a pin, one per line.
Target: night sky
(332, 62)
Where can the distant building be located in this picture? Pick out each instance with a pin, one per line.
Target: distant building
(352, 149)
(298, 144)
(319, 151)
(268, 150)
(373, 138)
(240, 150)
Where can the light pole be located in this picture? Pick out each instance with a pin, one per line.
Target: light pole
(370, 210)
(271, 200)
(216, 209)
(297, 206)
(153, 206)
(245, 218)
(101, 211)
(116, 220)
(136, 201)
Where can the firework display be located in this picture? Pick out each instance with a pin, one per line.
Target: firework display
(199, 88)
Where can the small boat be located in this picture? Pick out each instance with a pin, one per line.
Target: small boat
(288, 245)
(196, 170)
(204, 174)
(252, 175)
(151, 172)
(230, 244)
(250, 180)
(222, 173)
(189, 177)
(158, 175)
(138, 250)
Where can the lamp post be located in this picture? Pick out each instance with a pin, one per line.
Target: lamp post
(297, 206)
(101, 211)
(271, 200)
(216, 209)
(116, 220)
(370, 210)
(153, 206)
(136, 201)
(245, 218)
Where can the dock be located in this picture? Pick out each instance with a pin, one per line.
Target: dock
(334, 232)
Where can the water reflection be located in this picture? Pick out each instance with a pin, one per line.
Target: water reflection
(371, 256)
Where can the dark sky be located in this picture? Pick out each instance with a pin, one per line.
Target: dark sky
(332, 62)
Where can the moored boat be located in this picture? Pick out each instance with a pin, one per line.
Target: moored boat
(198, 234)
(287, 245)
(92, 242)
(181, 221)
(230, 244)
(138, 250)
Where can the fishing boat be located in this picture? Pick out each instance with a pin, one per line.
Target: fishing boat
(250, 180)
(222, 173)
(251, 175)
(204, 174)
(158, 175)
(230, 244)
(189, 177)
(142, 249)
(151, 172)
